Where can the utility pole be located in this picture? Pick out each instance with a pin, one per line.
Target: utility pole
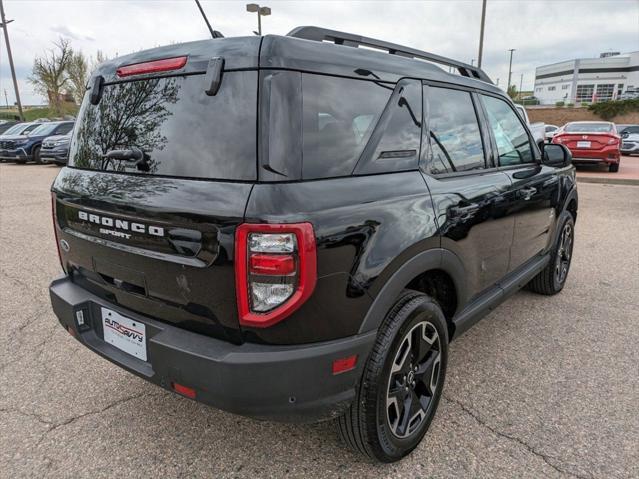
(261, 12)
(521, 82)
(481, 33)
(6, 100)
(510, 68)
(4, 24)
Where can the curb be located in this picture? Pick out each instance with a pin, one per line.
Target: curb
(608, 181)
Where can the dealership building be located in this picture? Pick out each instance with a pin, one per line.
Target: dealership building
(587, 79)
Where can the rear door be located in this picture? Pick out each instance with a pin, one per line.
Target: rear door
(153, 230)
(535, 189)
(468, 194)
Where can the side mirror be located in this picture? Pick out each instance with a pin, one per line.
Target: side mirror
(625, 134)
(555, 154)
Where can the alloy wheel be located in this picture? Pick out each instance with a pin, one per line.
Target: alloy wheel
(414, 377)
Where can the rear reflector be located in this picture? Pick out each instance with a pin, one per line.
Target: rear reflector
(344, 364)
(183, 390)
(155, 66)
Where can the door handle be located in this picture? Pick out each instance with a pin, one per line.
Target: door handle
(527, 193)
(464, 212)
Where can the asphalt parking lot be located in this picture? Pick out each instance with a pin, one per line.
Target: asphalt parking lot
(543, 387)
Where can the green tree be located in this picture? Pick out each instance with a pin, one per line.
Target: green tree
(78, 72)
(49, 76)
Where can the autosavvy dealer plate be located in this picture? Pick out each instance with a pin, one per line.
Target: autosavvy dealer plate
(124, 333)
(583, 144)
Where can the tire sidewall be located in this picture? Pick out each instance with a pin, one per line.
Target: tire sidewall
(565, 218)
(410, 315)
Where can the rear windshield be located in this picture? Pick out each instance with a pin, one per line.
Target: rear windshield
(588, 128)
(181, 130)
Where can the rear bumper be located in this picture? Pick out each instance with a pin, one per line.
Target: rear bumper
(605, 155)
(284, 383)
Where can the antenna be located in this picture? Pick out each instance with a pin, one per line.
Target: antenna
(214, 33)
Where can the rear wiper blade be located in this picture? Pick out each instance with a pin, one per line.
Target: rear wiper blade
(132, 155)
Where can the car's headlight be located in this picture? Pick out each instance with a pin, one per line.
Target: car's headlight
(21, 142)
(60, 142)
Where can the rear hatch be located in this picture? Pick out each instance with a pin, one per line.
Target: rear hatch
(151, 226)
(586, 141)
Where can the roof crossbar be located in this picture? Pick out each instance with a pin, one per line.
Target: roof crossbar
(319, 34)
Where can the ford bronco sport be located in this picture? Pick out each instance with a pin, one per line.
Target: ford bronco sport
(294, 228)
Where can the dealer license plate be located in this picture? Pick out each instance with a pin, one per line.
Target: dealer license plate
(583, 144)
(124, 333)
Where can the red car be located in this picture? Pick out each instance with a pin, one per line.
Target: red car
(591, 142)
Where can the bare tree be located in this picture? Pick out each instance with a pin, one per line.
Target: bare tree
(78, 71)
(49, 75)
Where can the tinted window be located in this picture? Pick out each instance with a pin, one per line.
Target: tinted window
(396, 138)
(513, 144)
(455, 139)
(64, 129)
(588, 127)
(181, 130)
(339, 115)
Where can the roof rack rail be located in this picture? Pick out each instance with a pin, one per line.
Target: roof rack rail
(319, 34)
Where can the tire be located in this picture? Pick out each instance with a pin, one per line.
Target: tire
(36, 155)
(613, 167)
(377, 424)
(552, 278)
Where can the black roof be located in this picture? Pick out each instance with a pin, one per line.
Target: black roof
(306, 49)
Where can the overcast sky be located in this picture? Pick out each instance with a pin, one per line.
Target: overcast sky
(541, 31)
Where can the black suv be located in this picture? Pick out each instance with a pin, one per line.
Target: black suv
(294, 228)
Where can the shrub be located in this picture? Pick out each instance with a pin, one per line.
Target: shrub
(584, 103)
(559, 103)
(607, 110)
(570, 105)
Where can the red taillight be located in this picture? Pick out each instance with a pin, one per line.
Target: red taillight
(275, 271)
(272, 264)
(54, 216)
(183, 390)
(154, 66)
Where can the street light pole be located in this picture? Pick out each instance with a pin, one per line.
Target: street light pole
(4, 23)
(261, 12)
(521, 83)
(481, 33)
(510, 68)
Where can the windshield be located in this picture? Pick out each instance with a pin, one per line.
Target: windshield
(19, 128)
(44, 129)
(588, 128)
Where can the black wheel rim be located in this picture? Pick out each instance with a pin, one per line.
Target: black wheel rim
(564, 254)
(414, 378)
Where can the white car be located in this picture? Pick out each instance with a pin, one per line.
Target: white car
(629, 139)
(537, 129)
(550, 130)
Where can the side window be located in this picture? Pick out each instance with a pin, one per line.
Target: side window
(395, 142)
(455, 138)
(339, 115)
(513, 144)
(64, 129)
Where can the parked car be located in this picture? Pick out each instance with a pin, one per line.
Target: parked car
(6, 124)
(15, 137)
(202, 254)
(55, 149)
(629, 139)
(591, 142)
(629, 94)
(26, 147)
(538, 129)
(550, 131)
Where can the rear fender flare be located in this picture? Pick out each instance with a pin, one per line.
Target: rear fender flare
(436, 258)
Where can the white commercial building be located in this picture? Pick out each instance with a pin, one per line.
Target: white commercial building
(587, 79)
